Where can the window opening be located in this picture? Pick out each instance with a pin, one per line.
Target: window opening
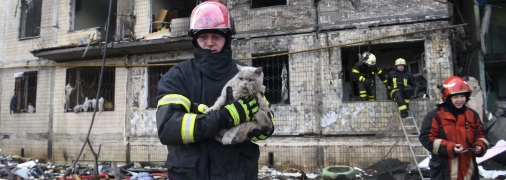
(264, 3)
(386, 54)
(25, 92)
(155, 73)
(93, 14)
(276, 78)
(163, 11)
(81, 89)
(30, 18)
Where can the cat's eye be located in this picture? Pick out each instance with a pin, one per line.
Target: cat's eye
(251, 80)
(240, 79)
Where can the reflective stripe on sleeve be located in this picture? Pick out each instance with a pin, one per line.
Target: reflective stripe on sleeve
(435, 146)
(175, 99)
(187, 127)
(485, 141)
(394, 82)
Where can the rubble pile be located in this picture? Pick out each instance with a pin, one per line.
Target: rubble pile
(15, 166)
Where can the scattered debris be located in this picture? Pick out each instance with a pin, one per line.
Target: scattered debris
(158, 35)
(15, 167)
(290, 173)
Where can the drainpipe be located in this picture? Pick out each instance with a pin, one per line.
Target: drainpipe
(6, 13)
(55, 23)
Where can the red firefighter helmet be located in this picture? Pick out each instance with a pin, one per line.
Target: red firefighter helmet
(211, 14)
(455, 85)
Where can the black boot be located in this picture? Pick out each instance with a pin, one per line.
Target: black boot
(404, 113)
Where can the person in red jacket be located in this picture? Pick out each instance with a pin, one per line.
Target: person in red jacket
(453, 134)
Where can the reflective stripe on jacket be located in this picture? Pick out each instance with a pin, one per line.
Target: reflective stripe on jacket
(399, 79)
(189, 135)
(362, 71)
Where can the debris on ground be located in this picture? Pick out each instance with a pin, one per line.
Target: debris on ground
(290, 173)
(27, 168)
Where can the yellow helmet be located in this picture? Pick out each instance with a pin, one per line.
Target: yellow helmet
(369, 58)
(400, 61)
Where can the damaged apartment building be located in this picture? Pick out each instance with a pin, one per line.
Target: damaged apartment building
(51, 56)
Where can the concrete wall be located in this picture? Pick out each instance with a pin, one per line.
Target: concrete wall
(296, 17)
(364, 13)
(15, 51)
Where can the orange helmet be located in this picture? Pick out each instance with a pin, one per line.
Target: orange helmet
(455, 85)
(211, 15)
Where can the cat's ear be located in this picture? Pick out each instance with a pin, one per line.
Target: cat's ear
(239, 67)
(258, 70)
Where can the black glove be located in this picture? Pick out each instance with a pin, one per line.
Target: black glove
(264, 133)
(239, 111)
(367, 82)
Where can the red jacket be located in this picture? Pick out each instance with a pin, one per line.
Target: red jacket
(439, 133)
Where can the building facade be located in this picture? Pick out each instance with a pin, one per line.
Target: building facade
(50, 70)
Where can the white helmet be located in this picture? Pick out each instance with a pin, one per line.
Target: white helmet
(369, 58)
(400, 61)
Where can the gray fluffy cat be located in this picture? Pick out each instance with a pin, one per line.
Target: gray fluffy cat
(248, 81)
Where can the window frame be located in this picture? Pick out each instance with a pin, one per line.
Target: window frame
(23, 84)
(152, 86)
(273, 80)
(253, 4)
(24, 19)
(108, 86)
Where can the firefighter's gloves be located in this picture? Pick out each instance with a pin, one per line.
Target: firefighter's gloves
(368, 82)
(261, 134)
(264, 133)
(240, 111)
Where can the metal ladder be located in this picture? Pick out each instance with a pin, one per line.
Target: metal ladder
(413, 126)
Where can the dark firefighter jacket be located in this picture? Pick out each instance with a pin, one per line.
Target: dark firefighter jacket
(363, 71)
(400, 79)
(439, 133)
(193, 152)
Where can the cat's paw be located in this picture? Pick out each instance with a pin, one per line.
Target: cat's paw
(211, 109)
(226, 140)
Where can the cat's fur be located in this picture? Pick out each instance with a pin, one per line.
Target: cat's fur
(247, 81)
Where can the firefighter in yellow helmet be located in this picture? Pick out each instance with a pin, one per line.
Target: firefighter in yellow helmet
(401, 84)
(363, 73)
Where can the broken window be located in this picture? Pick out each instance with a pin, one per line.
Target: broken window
(276, 78)
(386, 54)
(93, 14)
(25, 92)
(30, 18)
(264, 3)
(163, 11)
(155, 73)
(81, 89)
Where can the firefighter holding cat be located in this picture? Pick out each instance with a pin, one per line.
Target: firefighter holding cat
(186, 89)
(363, 74)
